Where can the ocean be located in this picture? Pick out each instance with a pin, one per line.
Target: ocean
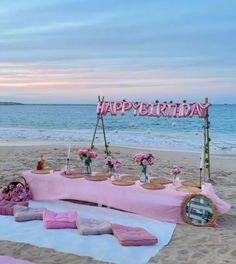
(75, 123)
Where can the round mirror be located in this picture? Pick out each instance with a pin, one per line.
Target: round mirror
(199, 210)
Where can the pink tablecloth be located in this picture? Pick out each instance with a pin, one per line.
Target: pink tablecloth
(158, 204)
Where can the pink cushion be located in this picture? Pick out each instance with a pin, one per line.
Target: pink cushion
(88, 226)
(133, 236)
(23, 213)
(6, 207)
(59, 220)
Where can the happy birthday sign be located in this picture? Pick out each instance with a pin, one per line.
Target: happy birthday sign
(153, 109)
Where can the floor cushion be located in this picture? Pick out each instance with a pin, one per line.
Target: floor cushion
(59, 219)
(133, 236)
(7, 207)
(88, 226)
(24, 213)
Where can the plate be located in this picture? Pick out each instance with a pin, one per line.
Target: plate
(102, 174)
(191, 183)
(96, 178)
(129, 178)
(161, 181)
(46, 171)
(188, 189)
(151, 186)
(74, 175)
(123, 183)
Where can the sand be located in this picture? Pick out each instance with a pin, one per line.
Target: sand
(188, 245)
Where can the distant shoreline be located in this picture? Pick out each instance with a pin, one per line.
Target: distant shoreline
(10, 103)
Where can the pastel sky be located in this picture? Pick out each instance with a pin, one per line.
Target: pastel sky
(70, 51)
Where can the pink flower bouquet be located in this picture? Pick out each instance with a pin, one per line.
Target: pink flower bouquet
(117, 165)
(87, 155)
(144, 160)
(16, 192)
(175, 170)
(113, 164)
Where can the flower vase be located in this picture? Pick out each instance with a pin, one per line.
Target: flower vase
(110, 171)
(117, 174)
(174, 179)
(87, 170)
(144, 175)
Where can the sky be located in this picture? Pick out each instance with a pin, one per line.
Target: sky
(71, 51)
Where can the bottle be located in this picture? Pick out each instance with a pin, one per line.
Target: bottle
(41, 163)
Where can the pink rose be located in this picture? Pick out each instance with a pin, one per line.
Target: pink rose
(85, 153)
(19, 186)
(138, 157)
(145, 162)
(175, 169)
(117, 164)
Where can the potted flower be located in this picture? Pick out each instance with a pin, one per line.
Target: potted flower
(144, 160)
(87, 155)
(175, 170)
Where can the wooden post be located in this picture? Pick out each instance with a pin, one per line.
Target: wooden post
(100, 117)
(207, 169)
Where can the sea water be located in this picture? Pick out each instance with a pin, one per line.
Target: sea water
(76, 123)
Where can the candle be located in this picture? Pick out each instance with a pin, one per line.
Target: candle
(68, 155)
(201, 161)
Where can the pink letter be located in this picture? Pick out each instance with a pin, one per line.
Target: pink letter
(126, 106)
(117, 106)
(151, 112)
(202, 109)
(109, 108)
(100, 108)
(135, 106)
(163, 108)
(184, 110)
(170, 112)
(143, 110)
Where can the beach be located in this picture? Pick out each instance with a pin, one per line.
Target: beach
(189, 244)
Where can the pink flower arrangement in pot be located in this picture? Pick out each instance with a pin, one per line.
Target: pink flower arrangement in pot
(87, 155)
(144, 160)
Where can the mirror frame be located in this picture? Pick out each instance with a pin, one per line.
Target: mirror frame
(212, 221)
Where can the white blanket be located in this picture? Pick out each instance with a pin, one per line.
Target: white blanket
(103, 247)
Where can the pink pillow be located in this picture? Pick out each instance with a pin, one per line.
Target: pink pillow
(88, 226)
(24, 213)
(59, 220)
(133, 236)
(6, 207)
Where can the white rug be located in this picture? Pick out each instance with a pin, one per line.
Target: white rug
(104, 247)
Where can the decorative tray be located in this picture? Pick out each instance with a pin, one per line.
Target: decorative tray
(123, 182)
(96, 178)
(151, 186)
(191, 183)
(130, 178)
(161, 181)
(74, 175)
(46, 171)
(189, 189)
(102, 174)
